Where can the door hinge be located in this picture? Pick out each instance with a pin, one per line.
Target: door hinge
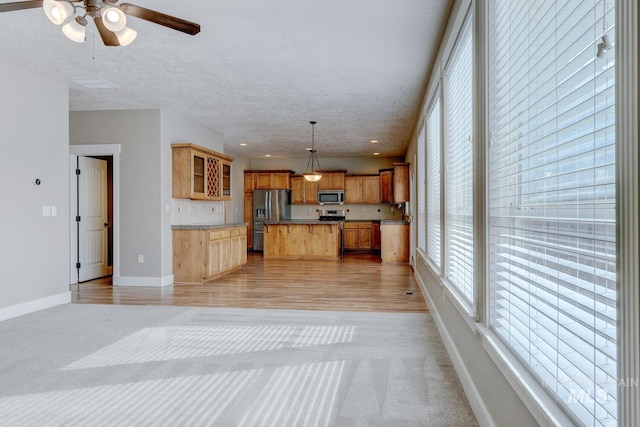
(77, 265)
(78, 218)
(77, 171)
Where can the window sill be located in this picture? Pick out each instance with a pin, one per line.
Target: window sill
(542, 406)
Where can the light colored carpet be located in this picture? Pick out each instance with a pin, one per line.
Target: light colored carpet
(109, 365)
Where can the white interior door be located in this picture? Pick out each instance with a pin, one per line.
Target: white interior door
(92, 228)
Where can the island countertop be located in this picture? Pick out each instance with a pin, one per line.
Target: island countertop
(207, 226)
(298, 221)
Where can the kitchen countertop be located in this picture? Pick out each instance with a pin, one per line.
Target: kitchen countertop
(207, 226)
(298, 221)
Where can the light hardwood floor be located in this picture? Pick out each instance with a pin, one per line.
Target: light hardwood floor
(358, 282)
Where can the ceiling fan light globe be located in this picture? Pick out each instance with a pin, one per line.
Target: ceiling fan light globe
(75, 30)
(57, 11)
(126, 36)
(113, 18)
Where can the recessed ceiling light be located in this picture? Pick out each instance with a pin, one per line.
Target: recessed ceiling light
(243, 144)
(267, 155)
(376, 154)
(373, 141)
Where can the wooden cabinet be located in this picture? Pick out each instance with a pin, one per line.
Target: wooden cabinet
(225, 167)
(400, 182)
(201, 255)
(307, 241)
(303, 192)
(199, 173)
(272, 181)
(357, 235)
(332, 180)
(386, 186)
(394, 184)
(362, 189)
(394, 243)
(375, 235)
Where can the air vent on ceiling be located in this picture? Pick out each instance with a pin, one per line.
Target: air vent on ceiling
(94, 83)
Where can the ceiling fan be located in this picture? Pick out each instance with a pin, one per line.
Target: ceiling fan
(109, 17)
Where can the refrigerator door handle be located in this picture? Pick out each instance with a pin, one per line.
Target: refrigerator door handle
(268, 204)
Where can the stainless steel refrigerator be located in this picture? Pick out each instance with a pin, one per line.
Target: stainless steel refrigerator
(268, 205)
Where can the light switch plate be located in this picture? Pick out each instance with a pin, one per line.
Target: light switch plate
(54, 211)
(46, 211)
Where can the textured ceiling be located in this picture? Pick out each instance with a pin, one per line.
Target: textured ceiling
(259, 71)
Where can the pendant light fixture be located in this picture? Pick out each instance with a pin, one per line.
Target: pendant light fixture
(315, 174)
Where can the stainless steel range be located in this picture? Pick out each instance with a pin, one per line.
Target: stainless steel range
(335, 215)
(332, 214)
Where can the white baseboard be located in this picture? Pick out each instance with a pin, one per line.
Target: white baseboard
(155, 282)
(478, 405)
(35, 305)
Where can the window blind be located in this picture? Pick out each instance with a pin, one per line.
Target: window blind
(421, 189)
(433, 182)
(458, 156)
(552, 226)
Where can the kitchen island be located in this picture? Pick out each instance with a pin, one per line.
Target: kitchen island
(302, 239)
(203, 252)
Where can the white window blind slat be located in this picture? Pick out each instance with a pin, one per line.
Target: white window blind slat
(552, 262)
(433, 182)
(421, 190)
(458, 158)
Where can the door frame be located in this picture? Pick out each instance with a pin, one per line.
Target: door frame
(114, 151)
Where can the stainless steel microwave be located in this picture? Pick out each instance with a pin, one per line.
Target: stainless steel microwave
(330, 197)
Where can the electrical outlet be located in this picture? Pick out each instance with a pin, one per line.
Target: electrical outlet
(140, 259)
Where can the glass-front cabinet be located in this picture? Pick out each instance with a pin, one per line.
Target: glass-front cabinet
(199, 173)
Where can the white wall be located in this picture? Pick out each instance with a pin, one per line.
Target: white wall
(176, 128)
(34, 250)
(138, 132)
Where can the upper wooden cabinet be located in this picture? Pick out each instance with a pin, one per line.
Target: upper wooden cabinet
(267, 180)
(362, 189)
(394, 184)
(303, 192)
(400, 182)
(200, 173)
(332, 181)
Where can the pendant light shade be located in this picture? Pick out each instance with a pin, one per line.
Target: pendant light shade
(57, 11)
(314, 175)
(113, 18)
(75, 29)
(126, 36)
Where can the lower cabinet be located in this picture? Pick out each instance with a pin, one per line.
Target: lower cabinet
(394, 243)
(201, 255)
(358, 235)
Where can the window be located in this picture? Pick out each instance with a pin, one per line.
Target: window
(433, 182)
(422, 217)
(458, 157)
(552, 198)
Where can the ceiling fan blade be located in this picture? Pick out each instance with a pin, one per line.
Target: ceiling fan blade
(20, 5)
(108, 37)
(160, 18)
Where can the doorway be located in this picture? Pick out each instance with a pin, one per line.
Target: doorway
(94, 217)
